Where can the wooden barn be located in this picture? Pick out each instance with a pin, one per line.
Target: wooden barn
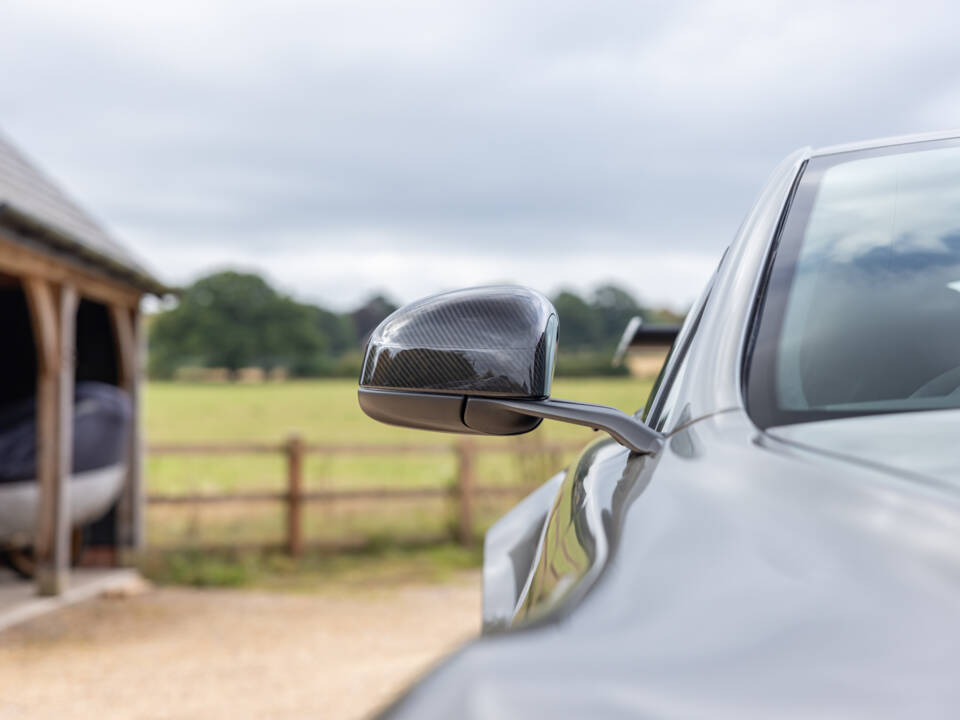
(70, 369)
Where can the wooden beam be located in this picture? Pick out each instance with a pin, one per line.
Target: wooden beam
(69, 300)
(131, 350)
(122, 321)
(53, 311)
(17, 259)
(294, 499)
(43, 315)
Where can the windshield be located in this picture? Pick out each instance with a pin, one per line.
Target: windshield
(862, 309)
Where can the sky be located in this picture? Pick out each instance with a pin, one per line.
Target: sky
(347, 148)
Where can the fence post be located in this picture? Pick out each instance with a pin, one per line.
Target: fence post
(465, 494)
(294, 495)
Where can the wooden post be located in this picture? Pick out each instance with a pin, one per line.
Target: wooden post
(69, 300)
(53, 313)
(131, 352)
(465, 495)
(43, 315)
(295, 449)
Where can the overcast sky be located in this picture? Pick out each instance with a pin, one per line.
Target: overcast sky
(408, 147)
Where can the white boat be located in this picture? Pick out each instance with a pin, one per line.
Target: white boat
(101, 443)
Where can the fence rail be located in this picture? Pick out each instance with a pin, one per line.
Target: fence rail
(464, 490)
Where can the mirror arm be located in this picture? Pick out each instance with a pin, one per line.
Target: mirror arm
(625, 429)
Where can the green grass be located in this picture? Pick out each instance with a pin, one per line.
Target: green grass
(376, 565)
(326, 411)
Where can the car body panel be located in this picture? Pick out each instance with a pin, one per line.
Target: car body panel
(788, 590)
(716, 362)
(510, 548)
(582, 526)
(887, 142)
(735, 573)
(734, 285)
(920, 445)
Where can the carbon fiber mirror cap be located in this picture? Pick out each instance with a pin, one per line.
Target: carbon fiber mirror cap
(498, 341)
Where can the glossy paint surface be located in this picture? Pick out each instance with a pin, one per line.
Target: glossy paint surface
(808, 586)
(915, 444)
(804, 571)
(582, 527)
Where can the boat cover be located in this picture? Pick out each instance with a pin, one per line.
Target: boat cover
(102, 420)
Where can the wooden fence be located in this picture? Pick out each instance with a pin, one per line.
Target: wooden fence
(465, 490)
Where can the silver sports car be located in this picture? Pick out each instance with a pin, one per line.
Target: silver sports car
(777, 533)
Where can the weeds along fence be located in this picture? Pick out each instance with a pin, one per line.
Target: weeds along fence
(297, 500)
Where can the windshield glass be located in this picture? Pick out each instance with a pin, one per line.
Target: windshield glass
(862, 310)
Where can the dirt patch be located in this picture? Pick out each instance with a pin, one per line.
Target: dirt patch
(177, 653)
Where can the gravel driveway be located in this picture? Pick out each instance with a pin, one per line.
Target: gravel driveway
(178, 653)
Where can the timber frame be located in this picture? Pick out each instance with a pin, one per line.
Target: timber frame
(53, 284)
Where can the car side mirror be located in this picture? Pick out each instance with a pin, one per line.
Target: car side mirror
(478, 361)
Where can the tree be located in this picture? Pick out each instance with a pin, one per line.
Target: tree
(580, 326)
(369, 315)
(614, 307)
(338, 330)
(235, 320)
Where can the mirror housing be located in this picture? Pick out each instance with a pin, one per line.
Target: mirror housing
(427, 357)
(492, 342)
(478, 361)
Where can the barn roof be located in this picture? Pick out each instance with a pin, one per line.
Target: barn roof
(44, 215)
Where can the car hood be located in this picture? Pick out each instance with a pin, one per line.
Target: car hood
(746, 577)
(914, 444)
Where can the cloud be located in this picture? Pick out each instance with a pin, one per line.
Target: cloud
(418, 145)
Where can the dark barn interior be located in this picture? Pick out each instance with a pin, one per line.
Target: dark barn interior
(70, 452)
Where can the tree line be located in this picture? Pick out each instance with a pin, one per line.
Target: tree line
(235, 320)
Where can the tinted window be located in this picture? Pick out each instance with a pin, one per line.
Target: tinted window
(862, 313)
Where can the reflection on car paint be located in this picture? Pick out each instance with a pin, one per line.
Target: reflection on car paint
(583, 526)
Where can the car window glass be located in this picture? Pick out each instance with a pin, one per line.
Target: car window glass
(863, 306)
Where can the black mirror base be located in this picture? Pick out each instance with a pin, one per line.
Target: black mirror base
(502, 416)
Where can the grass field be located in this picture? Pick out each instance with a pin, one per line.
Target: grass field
(326, 411)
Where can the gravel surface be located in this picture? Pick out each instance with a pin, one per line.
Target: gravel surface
(179, 653)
